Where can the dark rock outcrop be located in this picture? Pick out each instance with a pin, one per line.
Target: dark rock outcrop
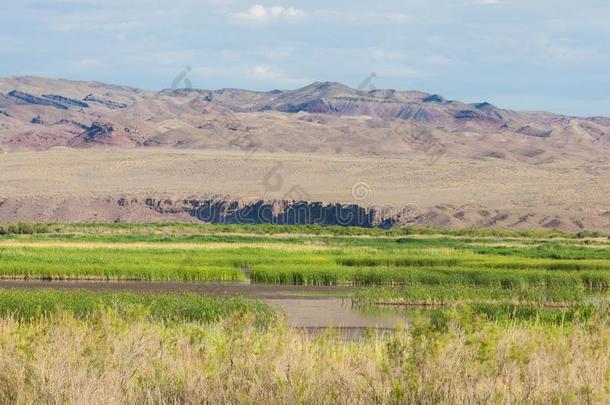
(227, 211)
(434, 98)
(77, 124)
(97, 131)
(536, 132)
(37, 120)
(25, 98)
(105, 102)
(65, 100)
(105, 134)
(467, 115)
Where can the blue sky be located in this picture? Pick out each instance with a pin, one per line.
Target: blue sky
(536, 55)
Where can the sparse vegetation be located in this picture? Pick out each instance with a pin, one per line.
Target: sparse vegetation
(169, 230)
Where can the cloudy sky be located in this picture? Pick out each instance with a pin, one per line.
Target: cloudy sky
(539, 55)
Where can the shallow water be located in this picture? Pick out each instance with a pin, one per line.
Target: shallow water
(206, 288)
(333, 312)
(313, 308)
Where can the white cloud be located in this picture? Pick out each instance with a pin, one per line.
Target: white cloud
(484, 2)
(262, 72)
(265, 73)
(260, 14)
(398, 18)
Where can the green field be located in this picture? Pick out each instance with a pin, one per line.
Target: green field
(369, 257)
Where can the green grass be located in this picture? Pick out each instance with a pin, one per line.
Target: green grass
(505, 277)
(530, 310)
(32, 304)
(317, 259)
(506, 313)
(462, 304)
(445, 295)
(119, 264)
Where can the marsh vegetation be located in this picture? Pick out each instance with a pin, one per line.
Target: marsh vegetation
(488, 316)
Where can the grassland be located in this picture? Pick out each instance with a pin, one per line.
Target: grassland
(108, 358)
(408, 267)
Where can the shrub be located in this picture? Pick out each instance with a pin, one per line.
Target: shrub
(22, 228)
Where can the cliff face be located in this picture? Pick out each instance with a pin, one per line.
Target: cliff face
(208, 210)
(225, 210)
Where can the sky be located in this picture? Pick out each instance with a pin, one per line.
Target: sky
(551, 55)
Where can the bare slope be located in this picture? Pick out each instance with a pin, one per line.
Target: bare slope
(323, 117)
(87, 151)
(140, 185)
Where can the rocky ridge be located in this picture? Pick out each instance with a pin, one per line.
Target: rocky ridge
(324, 117)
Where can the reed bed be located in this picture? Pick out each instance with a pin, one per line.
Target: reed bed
(307, 259)
(33, 305)
(445, 295)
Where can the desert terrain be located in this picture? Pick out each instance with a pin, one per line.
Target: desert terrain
(87, 151)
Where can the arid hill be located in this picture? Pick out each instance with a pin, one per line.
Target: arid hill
(324, 117)
(87, 151)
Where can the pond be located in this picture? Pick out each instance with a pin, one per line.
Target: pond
(313, 308)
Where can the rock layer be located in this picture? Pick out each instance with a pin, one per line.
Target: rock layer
(226, 210)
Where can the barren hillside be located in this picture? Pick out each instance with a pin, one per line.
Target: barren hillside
(324, 117)
(86, 151)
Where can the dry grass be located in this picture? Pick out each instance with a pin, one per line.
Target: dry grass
(108, 360)
(323, 177)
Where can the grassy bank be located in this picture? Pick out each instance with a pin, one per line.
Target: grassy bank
(26, 305)
(78, 262)
(126, 252)
(446, 295)
(263, 229)
(112, 359)
(492, 304)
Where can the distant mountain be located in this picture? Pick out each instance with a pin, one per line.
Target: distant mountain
(323, 117)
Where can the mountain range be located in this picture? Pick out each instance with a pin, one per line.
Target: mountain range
(323, 117)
